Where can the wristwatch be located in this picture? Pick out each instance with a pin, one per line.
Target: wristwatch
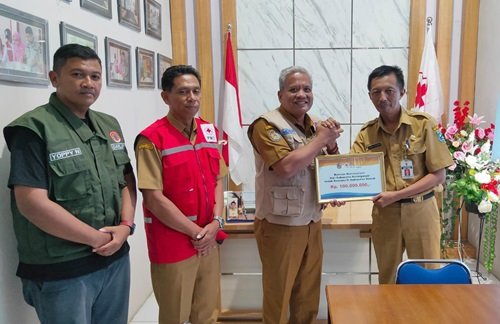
(220, 220)
(131, 225)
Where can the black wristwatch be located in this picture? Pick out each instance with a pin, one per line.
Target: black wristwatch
(130, 225)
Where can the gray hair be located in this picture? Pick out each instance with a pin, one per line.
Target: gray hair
(290, 70)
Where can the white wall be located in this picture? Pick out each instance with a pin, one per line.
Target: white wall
(134, 108)
(487, 87)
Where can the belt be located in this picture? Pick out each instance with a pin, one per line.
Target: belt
(416, 199)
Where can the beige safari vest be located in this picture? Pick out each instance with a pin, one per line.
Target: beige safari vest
(284, 201)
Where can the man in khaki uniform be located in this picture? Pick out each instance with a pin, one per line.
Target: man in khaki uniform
(288, 215)
(406, 215)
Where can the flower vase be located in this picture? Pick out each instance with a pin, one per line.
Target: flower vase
(473, 208)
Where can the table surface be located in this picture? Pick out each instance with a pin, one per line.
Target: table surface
(353, 215)
(403, 304)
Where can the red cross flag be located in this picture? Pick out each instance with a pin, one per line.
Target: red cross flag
(239, 159)
(429, 96)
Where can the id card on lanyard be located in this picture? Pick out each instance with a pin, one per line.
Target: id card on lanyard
(406, 164)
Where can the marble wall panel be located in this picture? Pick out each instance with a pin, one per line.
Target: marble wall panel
(381, 23)
(265, 24)
(363, 63)
(330, 70)
(258, 73)
(322, 23)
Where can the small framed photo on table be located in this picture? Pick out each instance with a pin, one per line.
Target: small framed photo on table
(240, 206)
(118, 62)
(349, 177)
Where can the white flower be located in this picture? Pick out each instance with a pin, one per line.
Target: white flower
(464, 133)
(486, 148)
(492, 197)
(482, 177)
(484, 207)
(471, 161)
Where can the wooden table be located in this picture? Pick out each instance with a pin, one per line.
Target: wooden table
(422, 304)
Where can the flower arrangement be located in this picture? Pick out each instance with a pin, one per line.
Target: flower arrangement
(474, 177)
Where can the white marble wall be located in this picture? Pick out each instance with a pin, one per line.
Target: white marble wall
(339, 41)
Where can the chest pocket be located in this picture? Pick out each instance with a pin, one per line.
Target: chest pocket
(177, 177)
(70, 179)
(287, 201)
(121, 159)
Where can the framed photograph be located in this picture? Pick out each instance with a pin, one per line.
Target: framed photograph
(152, 18)
(129, 14)
(163, 64)
(118, 62)
(145, 68)
(24, 47)
(240, 206)
(100, 7)
(349, 176)
(71, 34)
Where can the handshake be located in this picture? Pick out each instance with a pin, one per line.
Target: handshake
(328, 131)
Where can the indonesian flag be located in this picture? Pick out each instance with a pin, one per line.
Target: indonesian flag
(429, 97)
(239, 162)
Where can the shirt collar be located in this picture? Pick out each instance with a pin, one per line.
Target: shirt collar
(404, 118)
(307, 121)
(189, 133)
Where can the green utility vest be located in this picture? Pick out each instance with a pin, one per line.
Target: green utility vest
(85, 171)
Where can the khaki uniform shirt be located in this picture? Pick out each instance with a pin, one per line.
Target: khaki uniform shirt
(416, 138)
(149, 157)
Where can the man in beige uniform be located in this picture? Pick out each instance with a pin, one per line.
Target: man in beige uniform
(288, 215)
(406, 215)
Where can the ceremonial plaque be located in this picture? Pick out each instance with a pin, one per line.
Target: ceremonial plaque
(349, 177)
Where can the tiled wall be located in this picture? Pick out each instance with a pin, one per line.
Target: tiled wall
(339, 41)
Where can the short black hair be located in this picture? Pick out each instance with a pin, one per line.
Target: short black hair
(28, 30)
(65, 52)
(167, 79)
(384, 70)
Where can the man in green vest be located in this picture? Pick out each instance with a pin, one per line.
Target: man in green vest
(73, 199)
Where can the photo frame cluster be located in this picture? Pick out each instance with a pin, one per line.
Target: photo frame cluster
(24, 44)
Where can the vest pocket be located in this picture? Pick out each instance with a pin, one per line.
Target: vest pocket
(287, 201)
(69, 179)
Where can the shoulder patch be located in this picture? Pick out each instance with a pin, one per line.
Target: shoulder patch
(274, 136)
(146, 146)
(440, 135)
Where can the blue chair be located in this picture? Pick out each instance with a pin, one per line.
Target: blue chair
(413, 272)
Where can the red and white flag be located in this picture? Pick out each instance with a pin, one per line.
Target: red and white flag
(429, 96)
(239, 160)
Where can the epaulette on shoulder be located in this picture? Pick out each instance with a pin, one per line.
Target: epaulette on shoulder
(369, 123)
(421, 114)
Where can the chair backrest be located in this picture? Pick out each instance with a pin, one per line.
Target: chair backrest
(413, 272)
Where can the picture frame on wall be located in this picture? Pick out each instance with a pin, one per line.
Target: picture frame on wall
(152, 18)
(71, 34)
(129, 14)
(118, 63)
(99, 7)
(24, 47)
(164, 62)
(145, 63)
